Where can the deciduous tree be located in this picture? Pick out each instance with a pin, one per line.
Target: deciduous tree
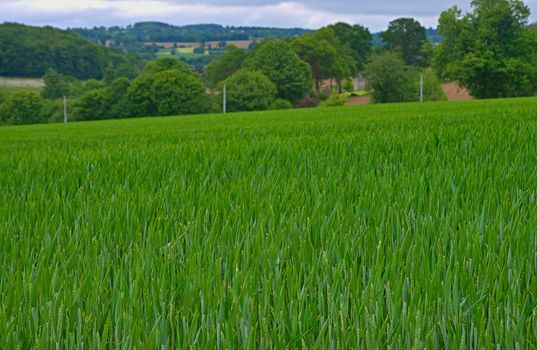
(389, 78)
(276, 60)
(490, 51)
(249, 91)
(22, 108)
(407, 36)
(227, 64)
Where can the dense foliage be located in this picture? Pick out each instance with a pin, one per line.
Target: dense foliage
(278, 62)
(490, 50)
(56, 85)
(249, 91)
(162, 32)
(408, 37)
(328, 57)
(22, 108)
(227, 64)
(398, 226)
(358, 39)
(30, 51)
(389, 78)
(104, 103)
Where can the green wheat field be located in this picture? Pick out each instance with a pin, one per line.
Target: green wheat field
(401, 226)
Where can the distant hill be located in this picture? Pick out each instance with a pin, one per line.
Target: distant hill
(27, 51)
(162, 32)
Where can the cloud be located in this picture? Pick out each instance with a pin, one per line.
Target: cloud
(282, 13)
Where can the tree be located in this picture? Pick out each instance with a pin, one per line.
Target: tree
(326, 55)
(164, 64)
(227, 64)
(56, 85)
(103, 103)
(407, 36)
(358, 39)
(91, 106)
(249, 91)
(22, 108)
(27, 51)
(169, 92)
(489, 51)
(290, 75)
(389, 78)
(116, 98)
(200, 50)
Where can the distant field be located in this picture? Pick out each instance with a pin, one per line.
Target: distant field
(183, 52)
(241, 44)
(10, 86)
(401, 226)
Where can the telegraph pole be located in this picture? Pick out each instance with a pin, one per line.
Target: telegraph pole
(224, 100)
(65, 109)
(421, 87)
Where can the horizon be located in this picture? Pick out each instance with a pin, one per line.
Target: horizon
(236, 13)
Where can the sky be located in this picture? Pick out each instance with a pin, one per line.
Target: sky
(273, 13)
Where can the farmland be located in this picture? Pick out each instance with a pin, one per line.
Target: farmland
(10, 86)
(407, 225)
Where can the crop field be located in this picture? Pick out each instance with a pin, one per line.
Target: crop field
(401, 226)
(9, 86)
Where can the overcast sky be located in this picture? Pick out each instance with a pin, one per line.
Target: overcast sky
(301, 13)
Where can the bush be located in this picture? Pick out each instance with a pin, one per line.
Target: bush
(249, 91)
(334, 100)
(22, 108)
(308, 101)
(53, 111)
(281, 104)
(212, 103)
(2, 97)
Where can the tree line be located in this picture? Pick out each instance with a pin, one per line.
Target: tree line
(27, 51)
(491, 51)
(163, 32)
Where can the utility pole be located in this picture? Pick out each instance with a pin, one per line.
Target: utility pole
(224, 101)
(421, 87)
(65, 109)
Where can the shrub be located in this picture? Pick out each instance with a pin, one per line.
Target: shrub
(308, 101)
(281, 104)
(22, 108)
(334, 100)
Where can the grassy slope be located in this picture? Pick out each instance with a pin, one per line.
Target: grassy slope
(348, 227)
